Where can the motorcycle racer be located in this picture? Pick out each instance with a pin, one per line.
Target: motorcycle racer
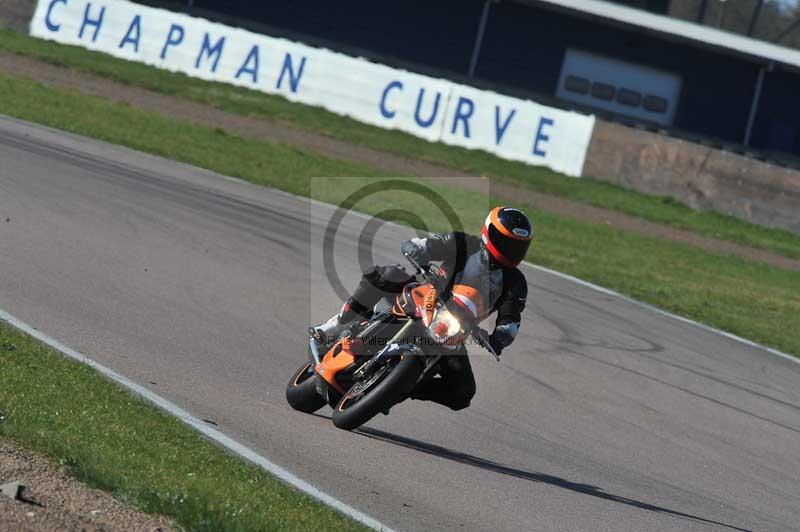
(487, 263)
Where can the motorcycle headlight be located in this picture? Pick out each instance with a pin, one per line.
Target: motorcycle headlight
(445, 325)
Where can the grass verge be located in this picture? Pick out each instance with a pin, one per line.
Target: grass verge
(116, 442)
(111, 440)
(246, 102)
(746, 298)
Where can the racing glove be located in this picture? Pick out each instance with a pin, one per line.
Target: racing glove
(415, 248)
(487, 341)
(502, 336)
(496, 344)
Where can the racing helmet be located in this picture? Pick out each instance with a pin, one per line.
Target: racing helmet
(507, 235)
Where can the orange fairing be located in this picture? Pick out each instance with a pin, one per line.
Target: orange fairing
(416, 300)
(335, 360)
(425, 299)
(470, 299)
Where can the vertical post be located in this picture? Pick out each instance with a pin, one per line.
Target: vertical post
(476, 50)
(787, 31)
(751, 118)
(701, 12)
(754, 18)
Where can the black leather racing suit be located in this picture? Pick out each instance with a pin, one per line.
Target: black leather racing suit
(465, 262)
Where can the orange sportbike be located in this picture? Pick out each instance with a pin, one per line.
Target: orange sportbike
(379, 361)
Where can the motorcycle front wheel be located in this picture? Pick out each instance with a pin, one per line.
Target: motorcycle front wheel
(386, 385)
(301, 392)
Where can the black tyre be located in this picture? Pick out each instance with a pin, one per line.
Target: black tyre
(388, 385)
(301, 392)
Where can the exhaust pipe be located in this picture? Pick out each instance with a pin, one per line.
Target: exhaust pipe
(313, 351)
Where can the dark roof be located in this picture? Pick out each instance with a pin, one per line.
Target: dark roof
(669, 27)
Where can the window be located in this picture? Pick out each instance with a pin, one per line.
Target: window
(629, 97)
(603, 91)
(577, 84)
(656, 104)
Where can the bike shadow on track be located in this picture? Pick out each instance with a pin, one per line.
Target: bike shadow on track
(475, 461)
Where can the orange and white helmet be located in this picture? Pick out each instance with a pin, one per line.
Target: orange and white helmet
(507, 235)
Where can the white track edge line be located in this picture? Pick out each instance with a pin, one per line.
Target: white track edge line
(259, 460)
(602, 290)
(222, 439)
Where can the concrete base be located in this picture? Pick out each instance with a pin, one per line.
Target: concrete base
(702, 177)
(16, 14)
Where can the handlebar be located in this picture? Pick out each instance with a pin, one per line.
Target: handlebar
(415, 264)
(482, 337)
(424, 272)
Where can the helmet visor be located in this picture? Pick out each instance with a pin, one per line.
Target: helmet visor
(512, 249)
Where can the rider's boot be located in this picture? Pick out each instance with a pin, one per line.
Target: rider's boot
(331, 329)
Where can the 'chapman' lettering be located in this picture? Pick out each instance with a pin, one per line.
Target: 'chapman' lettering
(52, 26)
(174, 38)
(210, 52)
(88, 21)
(250, 65)
(294, 81)
(133, 34)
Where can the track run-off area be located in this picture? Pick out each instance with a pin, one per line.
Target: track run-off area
(604, 414)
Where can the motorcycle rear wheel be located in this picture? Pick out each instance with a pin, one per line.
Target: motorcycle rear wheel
(359, 405)
(301, 392)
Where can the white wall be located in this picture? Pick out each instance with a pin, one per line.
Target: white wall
(430, 108)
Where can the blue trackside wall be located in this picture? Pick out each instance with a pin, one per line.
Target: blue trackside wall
(778, 124)
(439, 34)
(523, 50)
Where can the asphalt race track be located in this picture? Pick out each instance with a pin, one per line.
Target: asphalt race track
(603, 416)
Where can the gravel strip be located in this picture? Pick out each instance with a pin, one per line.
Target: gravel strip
(54, 501)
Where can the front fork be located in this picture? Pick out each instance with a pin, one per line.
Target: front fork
(313, 351)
